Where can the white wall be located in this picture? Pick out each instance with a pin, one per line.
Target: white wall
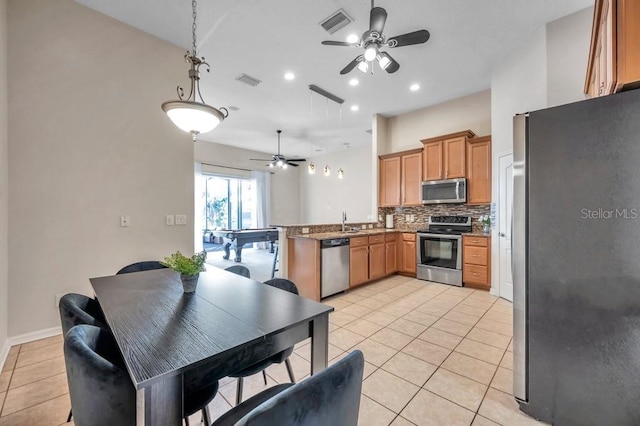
(4, 185)
(323, 198)
(547, 69)
(285, 184)
(568, 42)
(470, 112)
(88, 142)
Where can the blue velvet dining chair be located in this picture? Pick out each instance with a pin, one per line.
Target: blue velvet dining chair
(279, 358)
(147, 265)
(330, 397)
(239, 270)
(200, 386)
(100, 388)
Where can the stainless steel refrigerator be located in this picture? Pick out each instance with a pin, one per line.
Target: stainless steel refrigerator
(576, 262)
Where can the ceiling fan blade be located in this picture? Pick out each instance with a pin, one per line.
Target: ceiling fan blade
(393, 65)
(292, 164)
(416, 37)
(377, 19)
(339, 43)
(296, 159)
(352, 65)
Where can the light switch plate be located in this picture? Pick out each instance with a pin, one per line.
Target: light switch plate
(181, 219)
(169, 220)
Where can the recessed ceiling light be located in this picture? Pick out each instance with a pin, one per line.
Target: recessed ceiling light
(414, 87)
(354, 82)
(289, 76)
(353, 38)
(354, 107)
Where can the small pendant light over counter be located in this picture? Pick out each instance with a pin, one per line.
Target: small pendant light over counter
(190, 115)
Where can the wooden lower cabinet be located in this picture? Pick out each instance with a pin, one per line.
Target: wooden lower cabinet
(408, 262)
(476, 258)
(377, 261)
(358, 265)
(371, 258)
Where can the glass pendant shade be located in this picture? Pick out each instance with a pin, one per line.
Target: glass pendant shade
(326, 171)
(340, 174)
(312, 169)
(193, 117)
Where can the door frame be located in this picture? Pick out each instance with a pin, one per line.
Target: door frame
(495, 238)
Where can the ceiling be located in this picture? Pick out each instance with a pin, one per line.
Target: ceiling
(265, 39)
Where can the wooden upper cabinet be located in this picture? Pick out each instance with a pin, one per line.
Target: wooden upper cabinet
(432, 161)
(444, 157)
(390, 182)
(479, 170)
(454, 158)
(411, 181)
(400, 179)
(614, 57)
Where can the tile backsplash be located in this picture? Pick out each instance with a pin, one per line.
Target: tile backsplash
(421, 214)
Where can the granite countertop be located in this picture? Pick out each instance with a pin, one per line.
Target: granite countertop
(476, 234)
(340, 234)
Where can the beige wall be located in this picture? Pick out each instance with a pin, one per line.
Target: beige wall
(568, 41)
(470, 112)
(4, 185)
(323, 198)
(547, 69)
(285, 184)
(88, 143)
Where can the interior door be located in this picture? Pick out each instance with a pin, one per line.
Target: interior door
(505, 203)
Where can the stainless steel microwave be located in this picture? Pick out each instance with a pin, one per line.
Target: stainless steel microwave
(444, 191)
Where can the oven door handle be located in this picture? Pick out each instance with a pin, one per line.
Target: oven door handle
(441, 236)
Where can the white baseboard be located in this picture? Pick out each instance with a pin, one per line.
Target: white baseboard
(34, 335)
(4, 353)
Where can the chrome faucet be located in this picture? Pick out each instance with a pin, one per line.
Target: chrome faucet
(344, 219)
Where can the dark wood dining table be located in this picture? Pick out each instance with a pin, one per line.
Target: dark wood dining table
(229, 321)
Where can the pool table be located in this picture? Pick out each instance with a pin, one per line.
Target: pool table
(239, 237)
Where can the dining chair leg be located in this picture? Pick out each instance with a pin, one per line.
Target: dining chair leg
(70, 415)
(239, 391)
(264, 376)
(290, 370)
(206, 416)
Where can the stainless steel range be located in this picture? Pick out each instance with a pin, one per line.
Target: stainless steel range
(439, 249)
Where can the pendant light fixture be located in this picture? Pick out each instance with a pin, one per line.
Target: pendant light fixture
(340, 174)
(190, 115)
(312, 168)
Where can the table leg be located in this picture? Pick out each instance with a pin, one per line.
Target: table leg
(226, 251)
(160, 403)
(238, 253)
(319, 343)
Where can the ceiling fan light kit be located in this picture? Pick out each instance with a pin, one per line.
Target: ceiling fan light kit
(374, 39)
(188, 114)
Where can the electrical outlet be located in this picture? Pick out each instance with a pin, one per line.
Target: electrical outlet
(169, 220)
(407, 218)
(371, 226)
(181, 219)
(58, 297)
(125, 221)
(305, 230)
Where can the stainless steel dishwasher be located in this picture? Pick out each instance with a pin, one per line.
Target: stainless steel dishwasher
(334, 271)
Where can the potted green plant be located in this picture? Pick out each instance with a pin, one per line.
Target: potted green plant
(188, 267)
(485, 220)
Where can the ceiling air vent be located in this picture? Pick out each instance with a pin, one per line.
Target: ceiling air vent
(247, 79)
(337, 20)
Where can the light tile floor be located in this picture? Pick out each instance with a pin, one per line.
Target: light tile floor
(435, 355)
